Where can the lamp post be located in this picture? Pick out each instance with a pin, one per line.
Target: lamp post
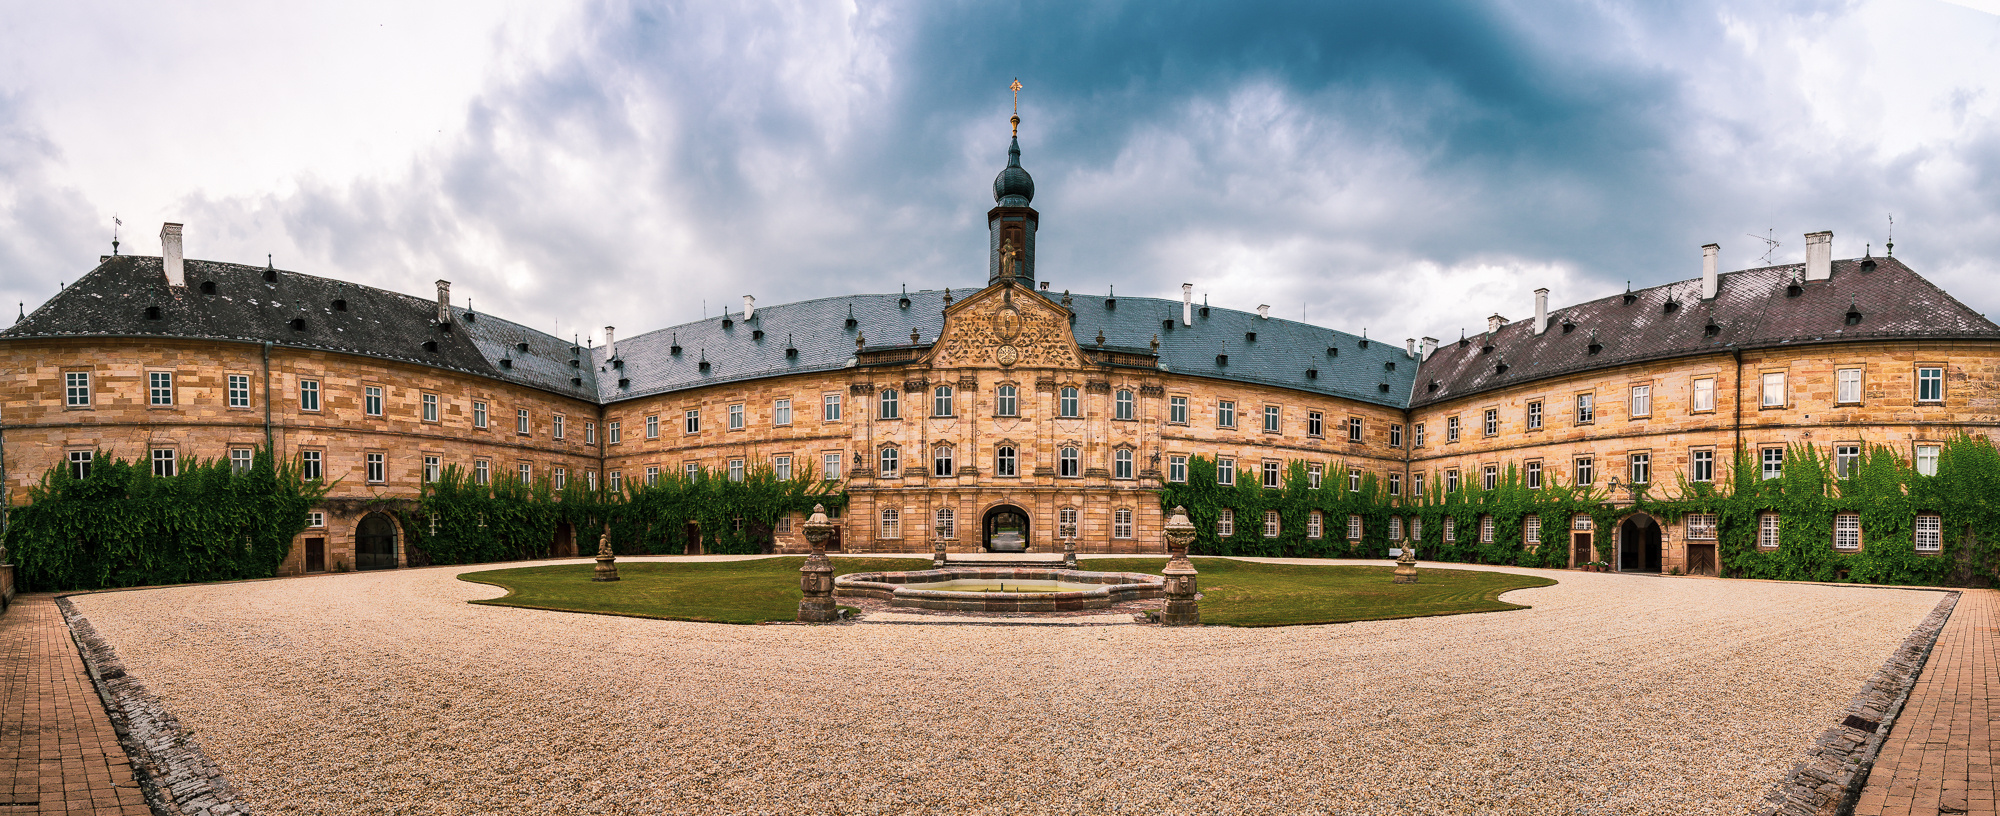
(1181, 607)
(816, 577)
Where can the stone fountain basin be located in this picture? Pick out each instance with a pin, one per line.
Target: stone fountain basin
(1048, 590)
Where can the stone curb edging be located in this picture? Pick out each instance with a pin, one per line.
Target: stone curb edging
(173, 773)
(1830, 779)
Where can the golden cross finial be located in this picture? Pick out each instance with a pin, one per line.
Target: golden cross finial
(1016, 88)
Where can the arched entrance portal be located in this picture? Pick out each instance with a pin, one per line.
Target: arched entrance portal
(1639, 544)
(375, 542)
(1005, 529)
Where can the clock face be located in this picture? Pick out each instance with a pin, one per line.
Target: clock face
(1007, 355)
(1007, 323)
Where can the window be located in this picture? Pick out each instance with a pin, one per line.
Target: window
(653, 427)
(781, 466)
(239, 391)
(1225, 523)
(434, 468)
(1177, 412)
(1066, 522)
(1485, 529)
(829, 466)
(1417, 485)
(941, 461)
(1354, 429)
(1642, 467)
(1121, 523)
(479, 415)
(1489, 477)
(1451, 481)
(1416, 529)
(887, 400)
(315, 519)
(1927, 459)
(1225, 471)
(692, 469)
(889, 467)
(1642, 401)
(1315, 524)
(691, 420)
(1704, 395)
(1535, 415)
(1177, 468)
(617, 480)
(521, 421)
(1067, 463)
(1847, 386)
(79, 463)
(1701, 526)
(1586, 470)
(525, 472)
(1353, 527)
(941, 401)
(1774, 390)
(1270, 474)
(1005, 463)
(1313, 476)
(590, 432)
(308, 393)
(1006, 402)
(1450, 529)
(1315, 424)
(829, 410)
(1395, 484)
(1451, 429)
(1845, 457)
(1930, 384)
(1491, 424)
(1122, 405)
(892, 523)
(1586, 409)
(378, 468)
(76, 389)
(1701, 466)
(1225, 414)
(1354, 481)
(1121, 464)
(431, 411)
(781, 412)
(1930, 533)
(1270, 524)
(1395, 528)
(736, 470)
(161, 389)
(947, 523)
(1534, 474)
(1531, 530)
(1272, 418)
(652, 475)
(1847, 531)
(1417, 435)
(614, 431)
(1774, 462)
(1767, 531)
(1066, 404)
(1395, 434)
(736, 417)
(556, 426)
(240, 459)
(482, 472)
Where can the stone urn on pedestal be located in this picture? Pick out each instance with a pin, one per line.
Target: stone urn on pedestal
(607, 564)
(816, 577)
(1069, 554)
(1181, 608)
(1406, 565)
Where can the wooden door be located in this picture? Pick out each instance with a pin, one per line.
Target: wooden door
(315, 555)
(1580, 552)
(1701, 559)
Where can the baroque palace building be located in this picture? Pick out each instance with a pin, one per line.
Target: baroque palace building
(987, 414)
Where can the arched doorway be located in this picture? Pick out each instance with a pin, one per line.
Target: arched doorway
(375, 542)
(1639, 544)
(1005, 529)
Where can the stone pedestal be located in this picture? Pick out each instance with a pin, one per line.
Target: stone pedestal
(1181, 610)
(816, 577)
(1406, 566)
(1069, 554)
(607, 564)
(937, 554)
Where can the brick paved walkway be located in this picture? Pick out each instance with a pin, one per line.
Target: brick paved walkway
(1939, 758)
(58, 753)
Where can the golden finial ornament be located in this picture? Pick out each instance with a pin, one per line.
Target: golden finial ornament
(1016, 88)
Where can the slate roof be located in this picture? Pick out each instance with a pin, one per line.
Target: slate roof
(1753, 308)
(1282, 354)
(115, 299)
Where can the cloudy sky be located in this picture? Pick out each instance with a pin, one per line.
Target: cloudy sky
(1404, 167)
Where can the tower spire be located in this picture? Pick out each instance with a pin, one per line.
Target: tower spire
(1011, 252)
(1016, 88)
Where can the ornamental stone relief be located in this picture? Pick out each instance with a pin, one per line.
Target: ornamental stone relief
(1006, 331)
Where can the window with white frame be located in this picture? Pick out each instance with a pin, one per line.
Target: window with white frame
(1177, 468)
(736, 470)
(1270, 524)
(889, 458)
(308, 393)
(1066, 522)
(1067, 463)
(652, 475)
(1847, 386)
(736, 416)
(1586, 470)
(1485, 529)
(482, 472)
(1490, 424)
(1450, 529)
(1354, 481)
(1177, 410)
(1416, 528)
(1313, 475)
(1774, 390)
(1930, 384)
(1582, 523)
(781, 412)
(1701, 526)
(887, 404)
(1121, 464)
(781, 466)
(829, 466)
(1642, 401)
(1068, 406)
(829, 408)
(561, 477)
(1929, 533)
(1271, 473)
(521, 422)
(76, 389)
(1315, 524)
(312, 465)
(240, 459)
(941, 401)
(1703, 398)
(1225, 523)
(1845, 458)
(433, 468)
(478, 414)
(525, 472)
(1701, 465)
(1225, 471)
(783, 526)
(1927, 459)
(1533, 474)
(1451, 429)
(315, 519)
(946, 523)
(1847, 531)
(691, 421)
(1451, 481)
(79, 463)
(556, 427)
(1353, 527)
(1315, 424)
(1005, 461)
(590, 433)
(1395, 528)
(1767, 531)
(1006, 401)
(1121, 523)
(378, 467)
(941, 461)
(1354, 429)
(590, 479)
(1417, 485)
(653, 427)
(1273, 419)
(239, 390)
(1531, 530)
(1225, 414)
(160, 389)
(614, 432)
(1417, 435)
(1534, 415)
(1774, 462)
(617, 480)
(1641, 467)
(1123, 406)
(1395, 434)
(1489, 477)
(1586, 409)
(1395, 484)
(692, 469)
(892, 523)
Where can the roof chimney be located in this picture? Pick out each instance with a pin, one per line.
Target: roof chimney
(1430, 345)
(749, 307)
(1264, 311)
(610, 344)
(1494, 322)
(1819, 255)
(1541, 310)
(1187, 304)
(1709, 282)
(444, 302)
(1410, 347)
(170, 254)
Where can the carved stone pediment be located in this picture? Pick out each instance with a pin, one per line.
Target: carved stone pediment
(1005, 327)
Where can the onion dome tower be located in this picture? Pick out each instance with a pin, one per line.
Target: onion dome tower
(1011, 224)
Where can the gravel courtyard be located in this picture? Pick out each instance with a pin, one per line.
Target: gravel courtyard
(387, 693)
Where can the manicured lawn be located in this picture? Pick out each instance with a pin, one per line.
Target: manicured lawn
(1234, 593)
(718, 591)
(1242, 593)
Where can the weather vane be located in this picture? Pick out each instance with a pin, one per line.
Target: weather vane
(1016, 88)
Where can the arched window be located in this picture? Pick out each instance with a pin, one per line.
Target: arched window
(1068, 462)
(1121, 523)
(1004, 462)
(888, 410)
(941, 401)
(947, 523)
(1067, 405)
(892, 523)
(1004, 403)
(889, 462)
(941, 461)
(1122, 464)
(1124, 404)
(1066, 522)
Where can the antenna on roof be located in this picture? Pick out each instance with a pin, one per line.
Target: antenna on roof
(267, 261)
(115, 224)
(1892, 235)
(1770, 244)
